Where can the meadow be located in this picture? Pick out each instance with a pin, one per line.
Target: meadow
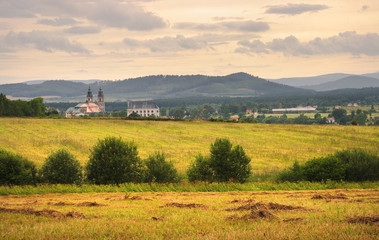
(330, 214)
(270, 147)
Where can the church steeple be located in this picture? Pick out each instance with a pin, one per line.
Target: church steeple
(89, 95)
(100, 100)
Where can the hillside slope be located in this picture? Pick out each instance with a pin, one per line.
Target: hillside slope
(160, 86)
(347, 82)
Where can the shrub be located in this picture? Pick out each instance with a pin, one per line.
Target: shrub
(159, 170)
(200, 169)
(225, 163)
(293, 174)
(229, 163)
(16, 170)
(348, 165)
(114, 161)
(324, 168)
(61, 167)
(360, 165)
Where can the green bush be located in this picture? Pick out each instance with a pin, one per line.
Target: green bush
(225, 163)
(61, 167)
(360, 165)
(200, 170)
(293, 174)
(16, 170)
(324, 168)
(114, 161)
(228, 162)
(159, 170)
(347, 165)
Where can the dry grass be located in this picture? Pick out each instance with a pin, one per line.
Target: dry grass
(279, 215)
(271, 147)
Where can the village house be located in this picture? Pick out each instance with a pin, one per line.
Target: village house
(88, 107)
(143, 108)
(330, 120)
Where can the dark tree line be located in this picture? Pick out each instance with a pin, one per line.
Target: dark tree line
(19, 108)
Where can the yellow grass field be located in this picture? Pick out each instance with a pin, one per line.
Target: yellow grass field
(271, 147)
(327, 214)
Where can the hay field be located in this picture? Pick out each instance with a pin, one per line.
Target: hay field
(271, 147)
(328, 214)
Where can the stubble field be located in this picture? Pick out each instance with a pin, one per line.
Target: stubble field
(331, 214)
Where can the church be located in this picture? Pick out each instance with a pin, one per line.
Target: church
(84, 109)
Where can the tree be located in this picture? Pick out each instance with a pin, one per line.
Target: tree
(340, 116)
(361, 118)
(61, 167)
(16, 170)
(159, 170)
(114, 161)
(200, 169)
(229, 163)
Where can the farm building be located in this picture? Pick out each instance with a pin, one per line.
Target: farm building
(297, 109)
(83, 109)
(143, 108)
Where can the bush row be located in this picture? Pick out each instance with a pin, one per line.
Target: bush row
(114, 161)
(347, 165)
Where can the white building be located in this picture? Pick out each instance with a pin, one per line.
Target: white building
(143, 108)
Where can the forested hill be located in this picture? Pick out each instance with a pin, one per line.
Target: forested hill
(160, 86)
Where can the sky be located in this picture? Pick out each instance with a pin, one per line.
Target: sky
(120, 39)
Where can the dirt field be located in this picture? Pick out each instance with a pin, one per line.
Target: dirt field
(327, 214)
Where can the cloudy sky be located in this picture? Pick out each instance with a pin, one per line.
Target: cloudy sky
(118, 39)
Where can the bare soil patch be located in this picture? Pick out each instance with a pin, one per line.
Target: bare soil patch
(45, 212)
(370, 219)
(185, 205)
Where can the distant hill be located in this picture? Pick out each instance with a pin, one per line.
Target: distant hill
(154, 87)
(346, 82)
(90, 81)
(304, 81)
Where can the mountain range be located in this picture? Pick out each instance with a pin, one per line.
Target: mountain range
(154, 87)
(173, 86)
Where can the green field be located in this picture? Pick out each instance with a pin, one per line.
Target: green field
(271, 147)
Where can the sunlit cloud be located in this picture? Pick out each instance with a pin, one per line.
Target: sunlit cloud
(294, 9)
(346, 42)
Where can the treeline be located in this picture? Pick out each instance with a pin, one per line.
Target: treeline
(365, 96)
(115, 161)
(19, 108)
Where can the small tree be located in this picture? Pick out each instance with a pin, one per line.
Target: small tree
(229, 163)
(16, 170)
(225, 163)
(200, 169)
(61, 167)
(114, 161)
(159, 170)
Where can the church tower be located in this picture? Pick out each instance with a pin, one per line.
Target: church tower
(89, 95)
(100, 100)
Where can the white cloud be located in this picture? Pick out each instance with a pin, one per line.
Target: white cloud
(240, 26)
(43, 41)
(347, 42)
(111, 13)
(83, 30)
(60, 21)
(167, 44)
(294, 9)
